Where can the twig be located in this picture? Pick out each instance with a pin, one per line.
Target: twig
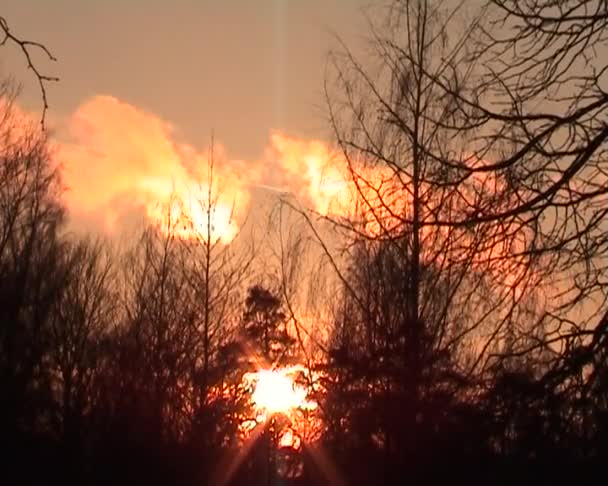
(26, 46)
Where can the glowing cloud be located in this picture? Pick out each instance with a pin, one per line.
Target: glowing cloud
(120, 161)
(378, 201)
(118, 158)
(366, 196)
(313, 170)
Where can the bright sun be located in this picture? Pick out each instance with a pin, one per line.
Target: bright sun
(275, 391)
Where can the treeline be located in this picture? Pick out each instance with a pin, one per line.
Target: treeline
(467, 336)
(110, 363)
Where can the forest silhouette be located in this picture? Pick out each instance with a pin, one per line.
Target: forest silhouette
(465, 331)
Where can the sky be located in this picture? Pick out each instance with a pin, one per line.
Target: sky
(145, 85)
(237, 68)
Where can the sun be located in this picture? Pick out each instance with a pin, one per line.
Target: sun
(275, 391)
(283, 401)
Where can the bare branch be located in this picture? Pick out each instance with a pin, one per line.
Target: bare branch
(27, 47)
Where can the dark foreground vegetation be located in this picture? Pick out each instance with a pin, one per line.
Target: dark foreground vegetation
(468, 333)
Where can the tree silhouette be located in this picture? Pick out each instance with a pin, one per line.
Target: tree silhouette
(429, 299)
(82, 315)
(539, 104)
(264, 326)
(31, 278)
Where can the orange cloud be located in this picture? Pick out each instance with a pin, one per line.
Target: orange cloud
(378, 201)
(369, 197)
(314, 173)
(118, 158)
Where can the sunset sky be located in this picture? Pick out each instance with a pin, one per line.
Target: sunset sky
(307, 242)
(143, 85)
(237, 67)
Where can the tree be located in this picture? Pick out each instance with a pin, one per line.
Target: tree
(390, 127)
(538, 117)
(264, 327)
(428, 299)
(161, 319)
(31, 275)
(217, 261)
(538, 110)
(218, 269)
(81, 318)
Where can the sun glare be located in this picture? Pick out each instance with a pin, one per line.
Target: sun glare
(185, 216)
(275, 391)
(290, 440)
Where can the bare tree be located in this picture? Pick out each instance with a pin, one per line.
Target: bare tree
(161, 319)
(82, 317)
(389, 125)
(531, 105)
(31, 274)
(536, 114)
(432, 293)
(218, 265)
